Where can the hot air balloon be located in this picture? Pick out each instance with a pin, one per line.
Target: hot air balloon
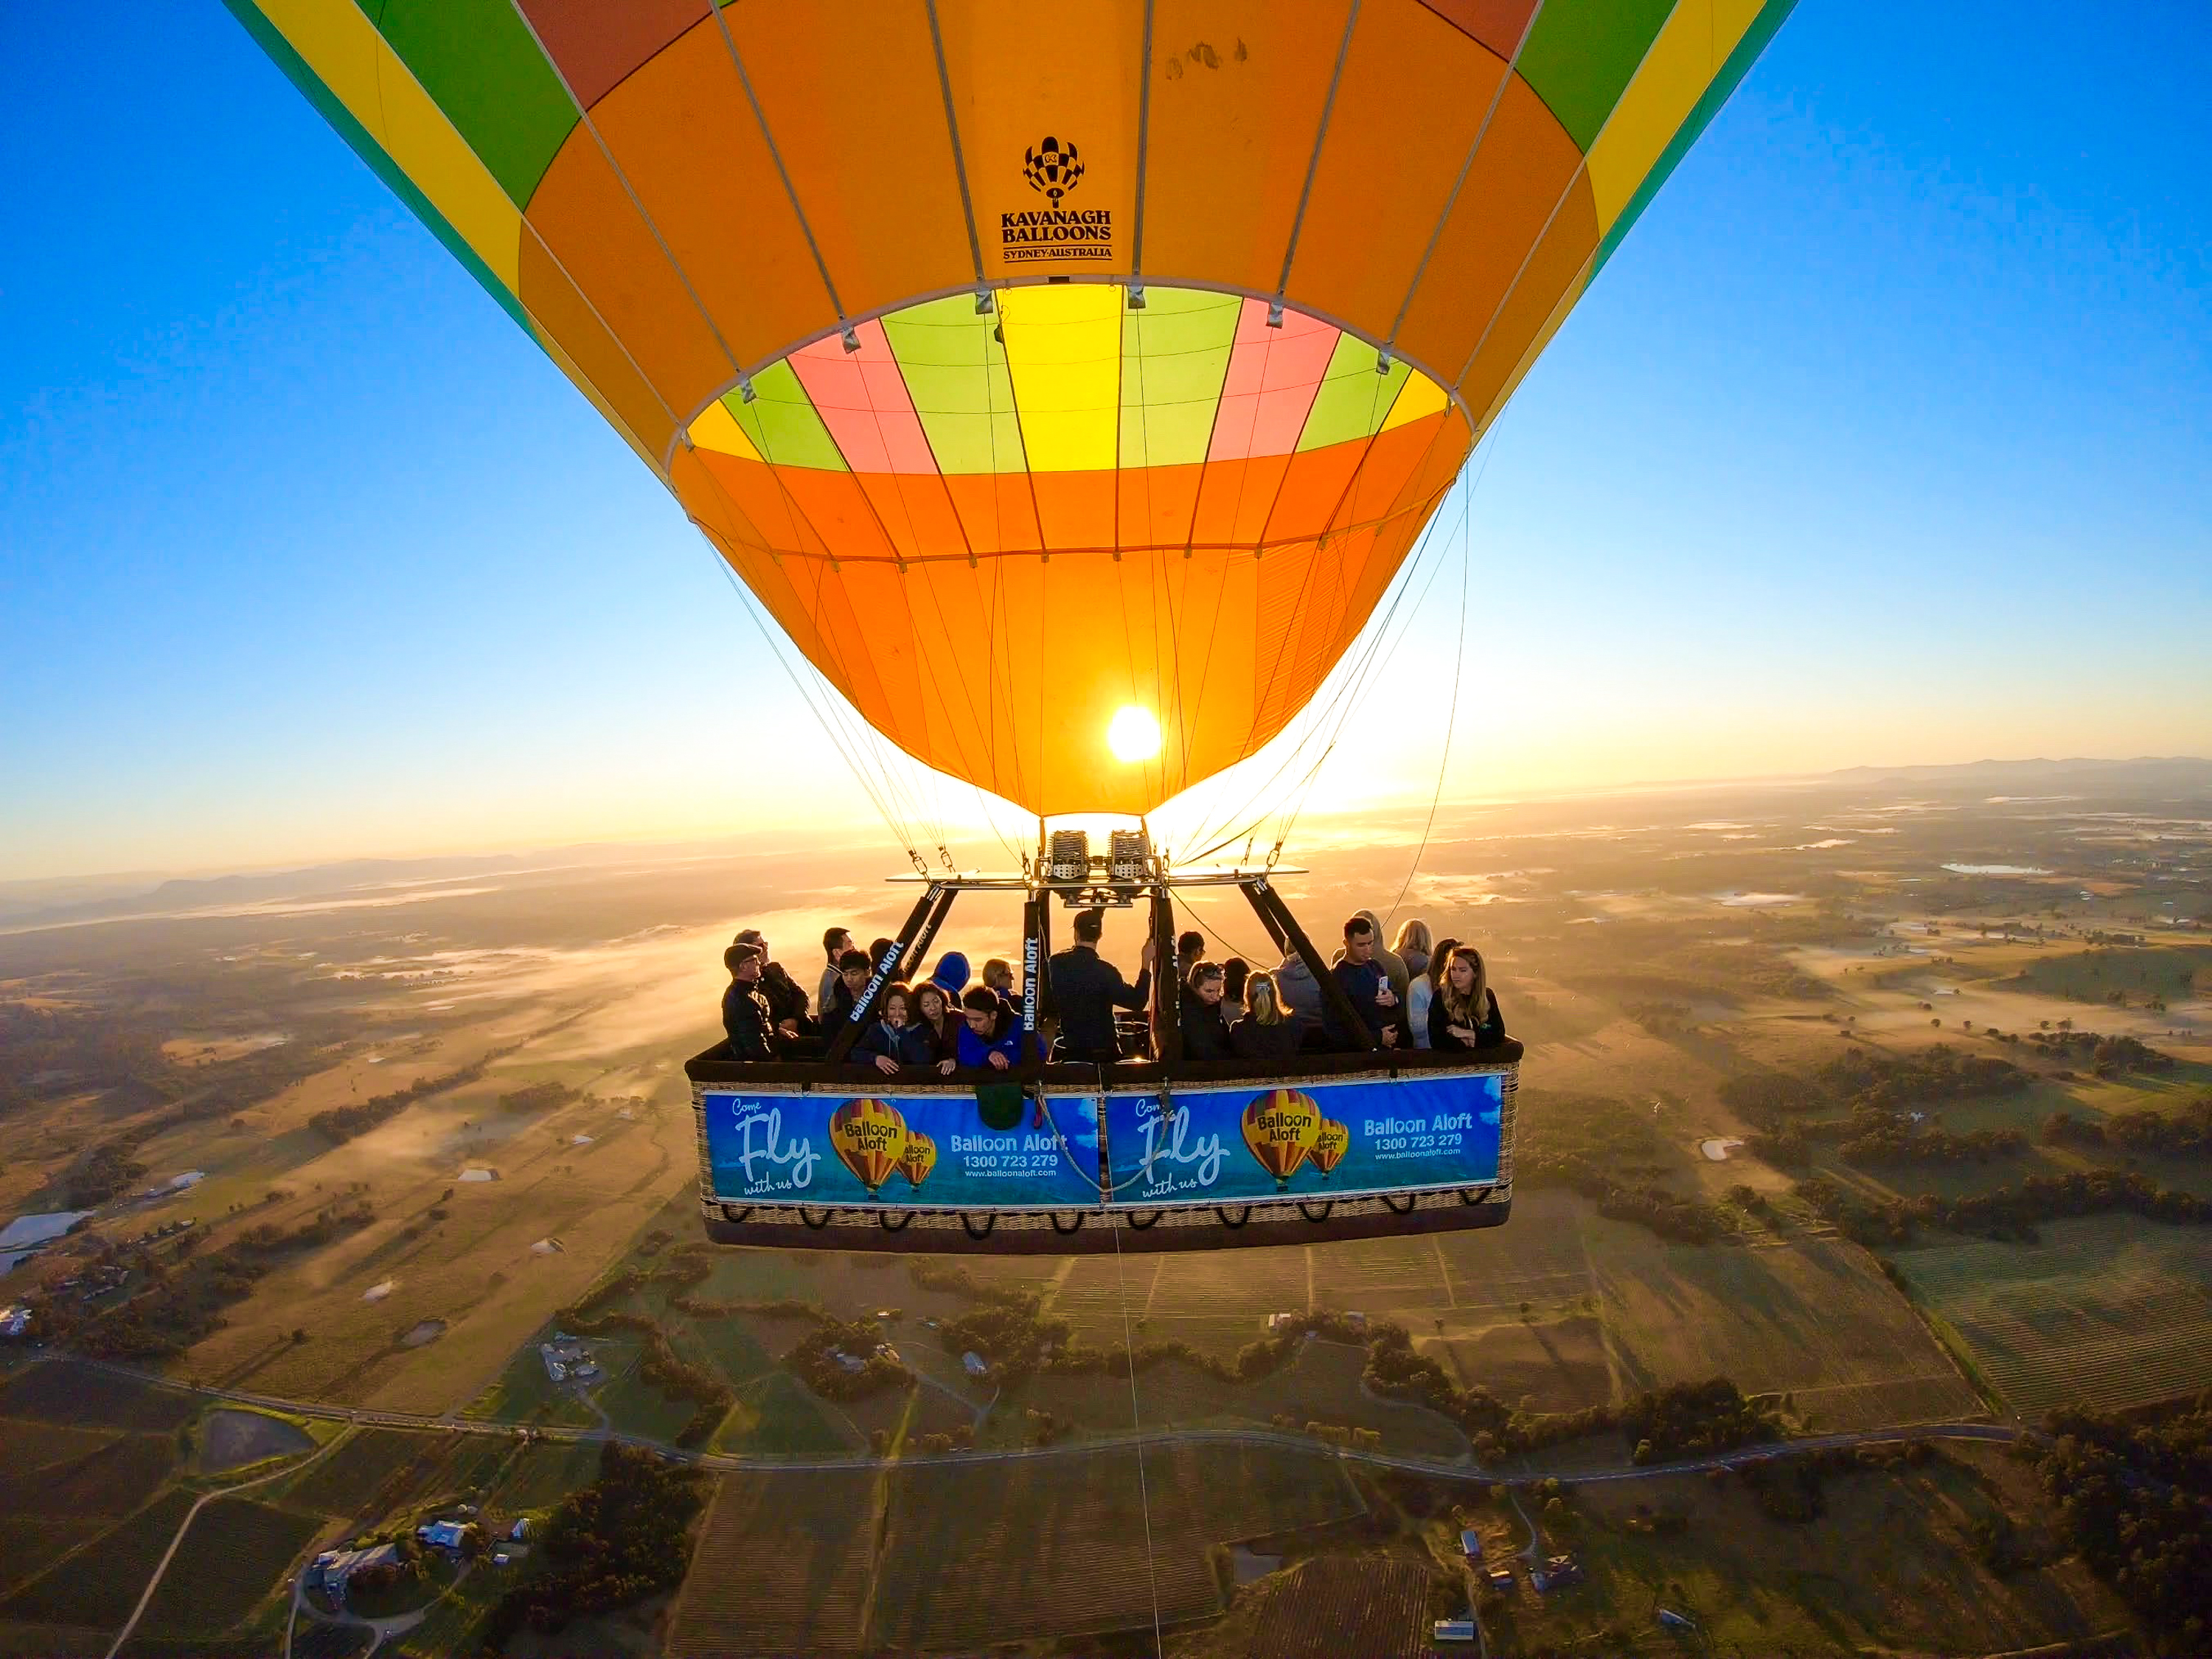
(870, 1137)
(1329, 1146)
(1281, 1127)
(919, 1158)
(1069, 385)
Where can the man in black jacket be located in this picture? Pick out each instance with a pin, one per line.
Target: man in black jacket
(744, 1011)
(1086, 989)
(1367, 989)
(787, 997)
(1204, 1032)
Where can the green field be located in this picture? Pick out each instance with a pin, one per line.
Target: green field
(347, 1480)
(235, 1554)
(68, 1391)
(112, 1480)
(2107, 1311)
(783, 1565)
(102, 1599)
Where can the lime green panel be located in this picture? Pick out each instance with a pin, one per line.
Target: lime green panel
(955, 370)
(1353, 399)
(1580, 56)
(1174, 356)
(783, 423)
(478, 62)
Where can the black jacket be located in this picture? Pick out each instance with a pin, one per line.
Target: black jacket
(1360, 980)
(787, 997)
(745, 1019)
(908, 1045)
(1488, 1035)
(1086, 989)
(1249, 1040)
(1205, 1033)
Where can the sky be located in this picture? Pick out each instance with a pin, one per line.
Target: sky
(1886, 438)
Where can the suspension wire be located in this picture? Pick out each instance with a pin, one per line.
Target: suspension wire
(1136, 1423)
(1258, 962)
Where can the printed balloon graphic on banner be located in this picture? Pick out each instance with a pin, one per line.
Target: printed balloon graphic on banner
(870, 1138)
(1281, 1126)
(919, 1158)
(1330, 1146)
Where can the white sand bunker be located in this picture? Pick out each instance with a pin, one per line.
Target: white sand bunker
(1716, 1151)
(547, 1246)
(429, 1330)
(579, 1140)
(378, 1292)
(479, 1174)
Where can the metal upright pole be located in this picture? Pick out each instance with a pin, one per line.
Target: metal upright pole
(1167, 991)
(1266, 900)
(886, 971)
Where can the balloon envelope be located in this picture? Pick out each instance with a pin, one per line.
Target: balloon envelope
(1329, 1146)
(869, 1137)
(919, 1158)
(755, 236)
(1281, 1128)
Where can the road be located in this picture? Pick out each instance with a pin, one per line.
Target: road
(1460, 1468)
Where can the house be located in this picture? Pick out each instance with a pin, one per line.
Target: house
(519, 1530)
(442, 1534)
(502, 1559)
(884, 1351)
(586, 1372)
(848, 1362)
(973, 1363)
(1674, 1621)
(1470, 1544)
(343, 1564)
(1277, 1320)
(1501, 1580)
(1556, 1574)
(1454, 1630)
(14, 1319)
(554, 1368)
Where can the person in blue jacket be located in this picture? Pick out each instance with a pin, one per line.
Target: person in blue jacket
(894, 1040)
(989, 1036)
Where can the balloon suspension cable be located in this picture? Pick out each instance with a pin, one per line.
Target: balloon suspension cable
(1257, 963)
(1451, 710)
(1136, 1417)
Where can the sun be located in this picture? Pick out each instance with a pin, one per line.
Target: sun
(1134, 734)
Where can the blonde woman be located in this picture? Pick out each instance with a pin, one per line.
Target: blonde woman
(1423, 994)
(1464, 1012)
(1412, 944)
(1268, 1034)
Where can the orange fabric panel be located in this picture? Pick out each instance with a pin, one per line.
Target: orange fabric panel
(688, 144)
(1312, 498)
(1075, 508)
(1158, 504)
(839, 511)
(853, 98)
(1526, 163)
(1412, 96)
(550, 297)
(1232, 129)
(1019, 76)
(1552, 268)
(1234, 500)
(996, 510)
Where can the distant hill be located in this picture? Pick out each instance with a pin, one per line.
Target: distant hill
(2153, 773)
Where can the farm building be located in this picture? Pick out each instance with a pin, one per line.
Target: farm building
(972, 1362)
(15, 1321)
(1454, 1630)
(442, 1534)
(1556, 1574)
(519, 1530)
(342, 1565)
(1501, 1580)
(1470, 1544)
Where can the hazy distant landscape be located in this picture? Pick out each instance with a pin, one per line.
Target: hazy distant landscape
(1885, 1097)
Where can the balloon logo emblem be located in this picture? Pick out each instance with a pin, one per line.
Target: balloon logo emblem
(919, 1158)
(1329, 1146)
(1281, 1126)
(1052, 167)
(870, 1137)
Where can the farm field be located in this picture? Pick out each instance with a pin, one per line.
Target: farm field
(2107, 1311)
(350, 1480)
(111, 1478)
(782, 1565)
(29, 1544)
(1336, 1604)
(235, 1555)
(102, 1600)
(65, 1391)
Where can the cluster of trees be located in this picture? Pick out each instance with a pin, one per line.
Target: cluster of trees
(1395, 1370)
(861, 1372)
(2007, 1212)
(109, 1169)
(661, 1365)
(2106, 1056)
(1611, 1155)
(538, 1097)
(610, 1545)
(80, 1045)
(1875, 1094)
(2185, 1133)
(339, 1124)
(2135, 1500)
(1881, 1138)
(1694, 1419)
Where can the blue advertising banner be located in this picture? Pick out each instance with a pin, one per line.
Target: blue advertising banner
(899, 1151)
(1315, 1141)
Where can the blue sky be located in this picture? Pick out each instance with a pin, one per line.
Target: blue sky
(1886, 437)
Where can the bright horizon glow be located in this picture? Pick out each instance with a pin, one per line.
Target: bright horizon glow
(1134, 734)
(1879, 442)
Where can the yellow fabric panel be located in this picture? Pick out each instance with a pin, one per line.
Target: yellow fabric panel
(851, 103)
(1420, 396)
(1019, 76)
(1411, 100)
(1237, 93)
(717, 430)
(1680, 64)
(1064, 349)
(342, 47)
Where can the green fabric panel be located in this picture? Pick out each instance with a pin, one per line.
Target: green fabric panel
(478, 62)
(955, 370)
(1353, 401)
(271, 40)
(783, 423)
(1581, 54)
(1175, 355)
(1762, 30)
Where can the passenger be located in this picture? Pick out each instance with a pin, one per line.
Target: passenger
(894, 1040)
(1189, 947)
(933, 1014)
(990, 1036)
(1392, 964)
(853, 970)
(1296, 990)
(1086, 989)
(1236, 973)
(835, 942)
(744, 1011)
(1424, 990)
(998, 976)
(1363, 979)
(951, 976)
(1412, 945)
(787, 999)
(1465, 1012)
(1204, 1032)
(1267, 1034)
